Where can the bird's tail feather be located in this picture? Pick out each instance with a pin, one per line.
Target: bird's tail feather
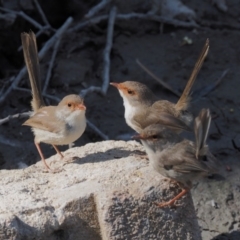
(32, 62)
(184, 100)
(201, 129)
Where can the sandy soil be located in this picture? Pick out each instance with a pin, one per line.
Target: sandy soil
(79, 65)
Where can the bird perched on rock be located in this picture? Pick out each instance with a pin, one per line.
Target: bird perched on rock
(142, 108)
(55, 125)
(177, 158)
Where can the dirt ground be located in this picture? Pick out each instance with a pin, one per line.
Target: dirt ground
(79, 65)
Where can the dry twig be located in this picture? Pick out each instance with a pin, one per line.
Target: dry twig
(129, 16)
(23, 15)
(49, 72)
(39, 8)
(87, 22)
(56, 99)
(107, 50)
(91, 89)
(97, 130)
(199, 93)
(17, 115)
(160, 81)
(97, 8)
(106, 58)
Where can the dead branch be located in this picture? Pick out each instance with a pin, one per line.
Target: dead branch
(129, 16)
(88, 22)
(13, 142)
(55, 37)
(41, 54)
(159, 19)
(17, 115)
(97, 8)
(160, 81)
(106, 58)
(97, 130)
(49, 72)
(42, 14)
(22, 89)
(199, 93)
(219, 25)
(107, 50)
(56, 99)
(91, 89)
(23, 15)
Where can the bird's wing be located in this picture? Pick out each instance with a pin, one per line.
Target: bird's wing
(162, 112)
(181, 158)
(43, 119)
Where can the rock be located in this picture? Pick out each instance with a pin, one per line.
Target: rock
(104, 191)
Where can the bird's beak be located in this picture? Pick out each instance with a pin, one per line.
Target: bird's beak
(81, 107)
(138, 136)
(116, 85)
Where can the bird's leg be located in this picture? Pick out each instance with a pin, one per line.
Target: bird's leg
(55, 147)
(41, 155)
(172, 201)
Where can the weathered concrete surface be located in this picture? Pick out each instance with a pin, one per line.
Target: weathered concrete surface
(106, 192)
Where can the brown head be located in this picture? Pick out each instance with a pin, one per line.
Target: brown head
(135, 92)
(71, 107)
(72, 102)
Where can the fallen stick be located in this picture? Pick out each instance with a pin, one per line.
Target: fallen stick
(91, 89)
(17, 115)
(88, 22)
(49, 72)
(107, 50)
(97, 130)
(106, 58)
(161, 82)
(204, 91)
(42, 14)
(56, 99)
(129, 16)
(97, 8)
(25, 16)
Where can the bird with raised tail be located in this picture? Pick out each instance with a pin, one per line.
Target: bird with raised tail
(55, 125)
(179, 159)
(142, 108)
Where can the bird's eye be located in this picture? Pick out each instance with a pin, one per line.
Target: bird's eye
(154, 137)
(204, 158)
(69, 104)
(130, 92)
